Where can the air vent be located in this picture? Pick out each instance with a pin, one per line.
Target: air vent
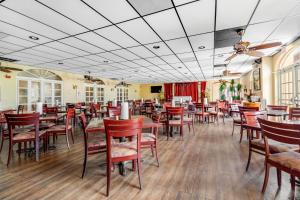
(8, 59)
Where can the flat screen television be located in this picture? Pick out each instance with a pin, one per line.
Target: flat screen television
(155, 89)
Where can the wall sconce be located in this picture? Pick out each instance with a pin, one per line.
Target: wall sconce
(75, 87)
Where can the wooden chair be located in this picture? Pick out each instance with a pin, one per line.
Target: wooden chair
(149, 109)
(200, 113)
(257, 144)
(294, 113)
(113, 111)
(217, 111)
(90, 148)
(242, 121)
(123, 151)
(64, 129)
(20, 109)
(149, 140)
(279, 108)
(289, 161)
(174, 119)
(3, 128)
(17, 120)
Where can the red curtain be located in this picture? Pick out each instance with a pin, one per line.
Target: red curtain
(187, 89)
(168, 88)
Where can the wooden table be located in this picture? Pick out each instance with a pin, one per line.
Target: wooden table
(277, 113)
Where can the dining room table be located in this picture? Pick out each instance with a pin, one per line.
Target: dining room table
(96, 125)
(277, 113)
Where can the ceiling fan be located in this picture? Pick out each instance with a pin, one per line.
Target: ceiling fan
(227, 73)
(90, 79)
(243, 47)
(8, 69)
(221, 81)
(122, 84)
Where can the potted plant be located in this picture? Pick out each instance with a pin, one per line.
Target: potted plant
(222, 90)
(238, 89)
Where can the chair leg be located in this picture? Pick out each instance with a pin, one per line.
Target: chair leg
(241, 134)
(278, 177)
(67, 140)
(181, 132)
(156, 154)
(9, 153)
(232, 129)
(168, 129)
(72, 135)
(108, 176)
(2, 141)
(193, 128)
(267, 171)
(152, 150)
(139, 171)
(293, 184)
(84, 162)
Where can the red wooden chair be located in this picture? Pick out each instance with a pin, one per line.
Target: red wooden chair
(200, 113)
(64, 129)
(17, 120)
(90, 148)
(217, 111)
(3, 128)
(113, 111)
(242, 121)
(123, 151)
(149, 140)
(289, 161)
(175, 119)
(294, 113)
(279, 108)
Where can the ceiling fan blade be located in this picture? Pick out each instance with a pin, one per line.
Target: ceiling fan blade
(255, 53)
(5, 70)
(265, 46)
(231, 57)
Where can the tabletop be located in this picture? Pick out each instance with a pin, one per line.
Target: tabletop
(96, 124)
(277, 113)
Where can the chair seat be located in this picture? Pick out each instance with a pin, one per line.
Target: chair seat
(27, 136)
(289, 160)
(123, 149)
(175, 122)
(148, 137)
(275, 147)
(59, 128)
(202, 113)
(96, 145)
(46, 125)
(187, 119)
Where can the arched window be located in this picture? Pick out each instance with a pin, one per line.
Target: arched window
(36, 85)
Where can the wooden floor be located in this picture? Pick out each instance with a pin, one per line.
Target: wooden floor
(209, 165)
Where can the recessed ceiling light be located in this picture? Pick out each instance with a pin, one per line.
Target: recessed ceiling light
(185, 73)
(201, 47)
(179, 67)
(60, 63)
(136, 71)
(33, 37)
(105, 61)
(156, 47)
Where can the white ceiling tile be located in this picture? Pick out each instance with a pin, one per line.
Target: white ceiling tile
(18, 41)
(166, 67)
(10, 46)
(53, 51)
(111, 57)
(289, 29)
(260, 32)
(156, 61)
(166, 24)
(116, 35)
(5, 50)
(206, 40)
(198, 17)
(114, 10)
(162, 50)
(125, 54)
(170, 59)
(79, 12)
(179, 45)
(141, 51)
(81, 45)
(142, 62)
(41, 13)
(34, 58)
(66, 48)
(241, 15)
(204, 55)
(140, 31)
(205, 63)
(185, 57)
(85, 60)
(269, 10)
(180, 2)
(97, 40)
(42, 54)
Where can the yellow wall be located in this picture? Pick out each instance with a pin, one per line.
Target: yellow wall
(8, 98)
(145, 91)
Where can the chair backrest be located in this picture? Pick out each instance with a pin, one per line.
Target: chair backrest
(243, 109)
(221, 104)
(20, 109)
(175, 112)
(123, 129)
(70, 105)
(156, 117)
(198, 105)
(52, 110)
(167, 104)
(280, 108)
(280, 132)
(70, 116)
(251, 117)
(83, 122)
(294, 113)
(113, 111)
(14, 120)
(93, 109)
(191, 107)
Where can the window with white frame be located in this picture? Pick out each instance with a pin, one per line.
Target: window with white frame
(35, 85)
(94, 92)
(122, 94)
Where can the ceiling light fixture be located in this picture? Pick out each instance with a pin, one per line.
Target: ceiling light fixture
(201, 47)
(179, 67)
(33, 37)
(60, 63)
(156, 47)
